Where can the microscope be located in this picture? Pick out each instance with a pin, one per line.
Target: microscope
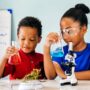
(70, 64)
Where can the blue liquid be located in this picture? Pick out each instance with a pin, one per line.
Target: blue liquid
(57, 53)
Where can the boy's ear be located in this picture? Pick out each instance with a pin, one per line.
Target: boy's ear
(39, 39)
(17, 36)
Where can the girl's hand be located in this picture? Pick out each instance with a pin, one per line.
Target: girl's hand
(52, 38)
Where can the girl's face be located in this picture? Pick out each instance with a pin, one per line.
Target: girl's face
(28, 38)
(72, 31)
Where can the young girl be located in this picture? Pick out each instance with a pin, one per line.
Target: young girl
(29, 35)
(73, 28)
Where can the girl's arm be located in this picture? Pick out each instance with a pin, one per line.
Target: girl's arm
(59, 70)
(48, 64)
(83, 75)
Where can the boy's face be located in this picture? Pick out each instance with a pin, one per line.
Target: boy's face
(72, 31)
(28, 38)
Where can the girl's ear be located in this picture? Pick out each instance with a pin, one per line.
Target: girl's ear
(84, 28)
(39, 39)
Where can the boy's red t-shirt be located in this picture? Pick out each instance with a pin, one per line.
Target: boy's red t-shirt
(29, 62)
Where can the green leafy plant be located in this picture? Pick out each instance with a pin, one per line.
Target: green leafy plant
(33, 75)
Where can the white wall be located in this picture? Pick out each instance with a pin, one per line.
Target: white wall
(48, 11)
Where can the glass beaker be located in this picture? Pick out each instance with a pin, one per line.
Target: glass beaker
(31, 85)
(57, 49)
(14, 59)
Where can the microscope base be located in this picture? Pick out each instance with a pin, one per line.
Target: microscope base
(72, 82)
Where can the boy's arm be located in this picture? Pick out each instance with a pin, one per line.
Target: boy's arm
(3, 61)
(9, 51)
(83, 75)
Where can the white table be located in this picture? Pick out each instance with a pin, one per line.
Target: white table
(47, 85)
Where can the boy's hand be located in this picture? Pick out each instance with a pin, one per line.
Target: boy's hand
(10, 51)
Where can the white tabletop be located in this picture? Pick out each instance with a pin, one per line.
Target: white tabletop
(47, 85)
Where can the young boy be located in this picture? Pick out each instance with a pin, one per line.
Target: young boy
(29, 35)
(73, 28)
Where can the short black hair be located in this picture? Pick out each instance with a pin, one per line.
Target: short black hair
(30, 21)
(78, 13)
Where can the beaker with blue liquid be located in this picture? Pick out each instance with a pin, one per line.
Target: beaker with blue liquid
(57, 49)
